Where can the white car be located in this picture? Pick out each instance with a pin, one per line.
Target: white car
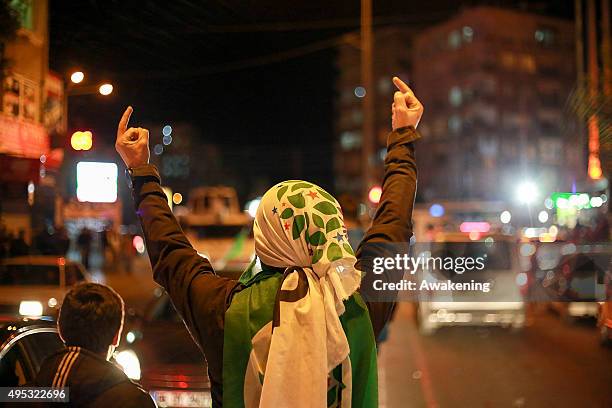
(503, 304)
(35, 285)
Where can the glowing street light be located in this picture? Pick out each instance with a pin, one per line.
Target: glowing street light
(77, 77)
(105, 89)
(526, 192)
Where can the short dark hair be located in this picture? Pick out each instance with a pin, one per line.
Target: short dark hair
(90, 316)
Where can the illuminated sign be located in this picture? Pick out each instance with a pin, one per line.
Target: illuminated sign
(97, 182)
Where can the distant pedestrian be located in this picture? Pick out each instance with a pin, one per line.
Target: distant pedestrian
(61, 240)
(18, 246)
(84, 244)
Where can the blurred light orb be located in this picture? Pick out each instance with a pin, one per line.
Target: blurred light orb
(553, 230)
(130, 337)
(31, 187)
(105, 89)
(596, 202)
(543, 216)
(505, 217)
(526, 192)
(360, 92)
(374, 194)
(527, 249)
(43, 158)
(77, 77)
(252, 206)
(52, 302)
(521, 279)
(474, 235)
(468, 33)
(167, 130)
(81, 140)
(139, 244)
(158, 149)
(177, 198)
(436, 210)
(166, 140)
(549, 203)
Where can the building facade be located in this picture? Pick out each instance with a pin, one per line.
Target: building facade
(495, 85)
(31, 111)
(391, 56)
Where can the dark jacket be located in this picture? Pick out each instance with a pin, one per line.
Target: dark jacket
(92, 381)
(202, 297)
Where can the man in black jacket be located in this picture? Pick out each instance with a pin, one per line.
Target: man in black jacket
(90, 324)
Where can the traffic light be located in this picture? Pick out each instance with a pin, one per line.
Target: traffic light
(81, 140)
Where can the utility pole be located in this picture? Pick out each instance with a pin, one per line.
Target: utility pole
(605, 46)
(367, 133)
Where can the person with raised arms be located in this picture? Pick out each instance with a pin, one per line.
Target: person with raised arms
(294, 332)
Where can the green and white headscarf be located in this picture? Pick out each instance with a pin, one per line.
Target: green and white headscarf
(298, 224)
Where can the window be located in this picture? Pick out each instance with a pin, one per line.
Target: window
(468, 34)
(454, 40)
(20, 97)
(454, 96)
(384, 85)
(527, 63)
(454, 124)
(24, 358)
(350, 140)
(545, 36)
(357, 116)
(29, 275)
(25, 10)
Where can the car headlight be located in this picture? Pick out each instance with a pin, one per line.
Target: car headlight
(30, 308)
(128, 360)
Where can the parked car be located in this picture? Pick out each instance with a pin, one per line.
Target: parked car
(604, 316)
(36, 285)
(173, 368)
(24, 344)
(503, 305)
(578, 281)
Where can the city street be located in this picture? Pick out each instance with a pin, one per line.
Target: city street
(548, 364)
(273, 162)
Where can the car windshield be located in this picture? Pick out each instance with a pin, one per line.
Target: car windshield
(29, 275)
(497, 255)
(218, 231)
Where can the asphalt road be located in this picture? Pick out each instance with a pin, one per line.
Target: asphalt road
(548, 364)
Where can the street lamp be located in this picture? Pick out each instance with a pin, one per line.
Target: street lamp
(105, 89)
(77, 77)
(526, 192)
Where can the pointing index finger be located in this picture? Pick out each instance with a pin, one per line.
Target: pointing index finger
(125, 120)
(401, 85)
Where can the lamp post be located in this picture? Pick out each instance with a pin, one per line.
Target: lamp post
(71, 89)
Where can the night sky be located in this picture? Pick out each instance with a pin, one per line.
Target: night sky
(243, 72)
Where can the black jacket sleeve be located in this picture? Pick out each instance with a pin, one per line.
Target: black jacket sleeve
(200, 296)
(392, 221)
